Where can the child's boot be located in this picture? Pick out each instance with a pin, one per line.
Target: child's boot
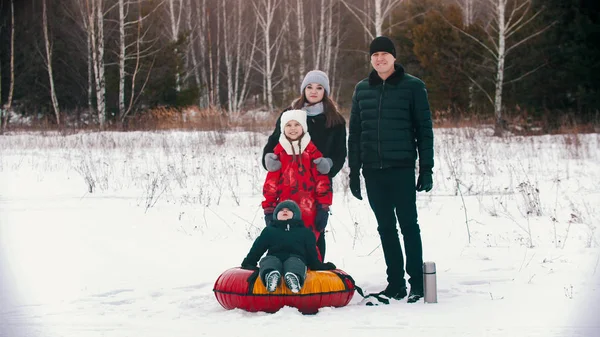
(292, 282)
(272, 279)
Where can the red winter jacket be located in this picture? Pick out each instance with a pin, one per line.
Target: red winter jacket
(300, 181)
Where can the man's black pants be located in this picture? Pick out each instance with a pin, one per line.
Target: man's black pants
(392, 195)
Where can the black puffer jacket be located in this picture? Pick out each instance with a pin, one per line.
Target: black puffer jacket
(390, 121)
(330, 141)
(284, 239)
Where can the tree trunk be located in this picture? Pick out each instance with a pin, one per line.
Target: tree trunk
(321, 42)
(217, 69)
(211, 82)
(90, 78)
(228, 58)
(265, 20)
(500, 66)
(268, 74)
(49, 62)
(300, 21)
(205, 93)
(234, 106)
(244, 92)
(192, 49)
(334, 78)
(468, 12)
(378, 18)
(121, 59)
(175, 21)
(329, 37)
(96, 20)
(11, 87)
(287, 55)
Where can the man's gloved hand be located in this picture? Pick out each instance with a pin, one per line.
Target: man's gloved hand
(323, 165)
(355, 185)
(322, 217)
(272, 162)
(425, 182)
(330, 266)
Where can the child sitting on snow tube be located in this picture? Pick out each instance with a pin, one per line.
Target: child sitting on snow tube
(290, 247)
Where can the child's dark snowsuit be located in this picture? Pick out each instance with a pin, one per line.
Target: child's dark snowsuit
(290, 247)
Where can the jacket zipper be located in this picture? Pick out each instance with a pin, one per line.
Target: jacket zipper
(379, 126)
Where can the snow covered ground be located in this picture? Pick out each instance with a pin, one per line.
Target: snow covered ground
(124, 234)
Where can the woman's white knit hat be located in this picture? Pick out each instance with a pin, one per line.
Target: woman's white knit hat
(315, 76)
(294, 115)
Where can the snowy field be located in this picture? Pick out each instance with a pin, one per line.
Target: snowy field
(124, 234)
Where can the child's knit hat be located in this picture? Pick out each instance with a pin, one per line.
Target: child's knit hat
(294, 115)
(292, 206)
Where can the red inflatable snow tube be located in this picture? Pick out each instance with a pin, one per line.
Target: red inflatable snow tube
(243, 289)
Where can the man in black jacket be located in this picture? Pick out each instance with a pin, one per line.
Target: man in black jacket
(290, 247)
(390, 123)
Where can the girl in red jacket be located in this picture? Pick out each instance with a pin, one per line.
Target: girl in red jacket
(298, 179)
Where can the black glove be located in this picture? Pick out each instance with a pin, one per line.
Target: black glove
(268, 219)
(249, 267)
(425, 182)
(355, 185)
(322, 217)
(330, 266)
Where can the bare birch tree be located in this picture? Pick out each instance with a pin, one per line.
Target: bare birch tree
(94, 13)
(200, 34)
(467, 8)
(336, 49)
(175, 8)
(301, 37)
(372, 19)
(321, 41)
(122, 53)
(11, 87)
(323, 37)
(211, 79)
(507, 19)
(217, 70)
(48, 46)
(228, 55)
(192, 56)
(237, 60)
(265, 11)
(140, 47)
(329, 37)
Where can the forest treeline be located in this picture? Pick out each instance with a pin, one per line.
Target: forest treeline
(104, 63)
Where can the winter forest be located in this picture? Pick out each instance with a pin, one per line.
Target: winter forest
(527, 65)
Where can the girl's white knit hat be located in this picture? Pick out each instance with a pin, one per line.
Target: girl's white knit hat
(294, 115)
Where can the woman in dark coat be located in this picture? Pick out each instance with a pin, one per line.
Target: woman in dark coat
(327, 128)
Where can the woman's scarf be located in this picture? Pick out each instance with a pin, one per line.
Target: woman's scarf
(314, 109)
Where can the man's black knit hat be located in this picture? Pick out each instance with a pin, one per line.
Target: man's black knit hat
(382, 43)
(292, 206)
